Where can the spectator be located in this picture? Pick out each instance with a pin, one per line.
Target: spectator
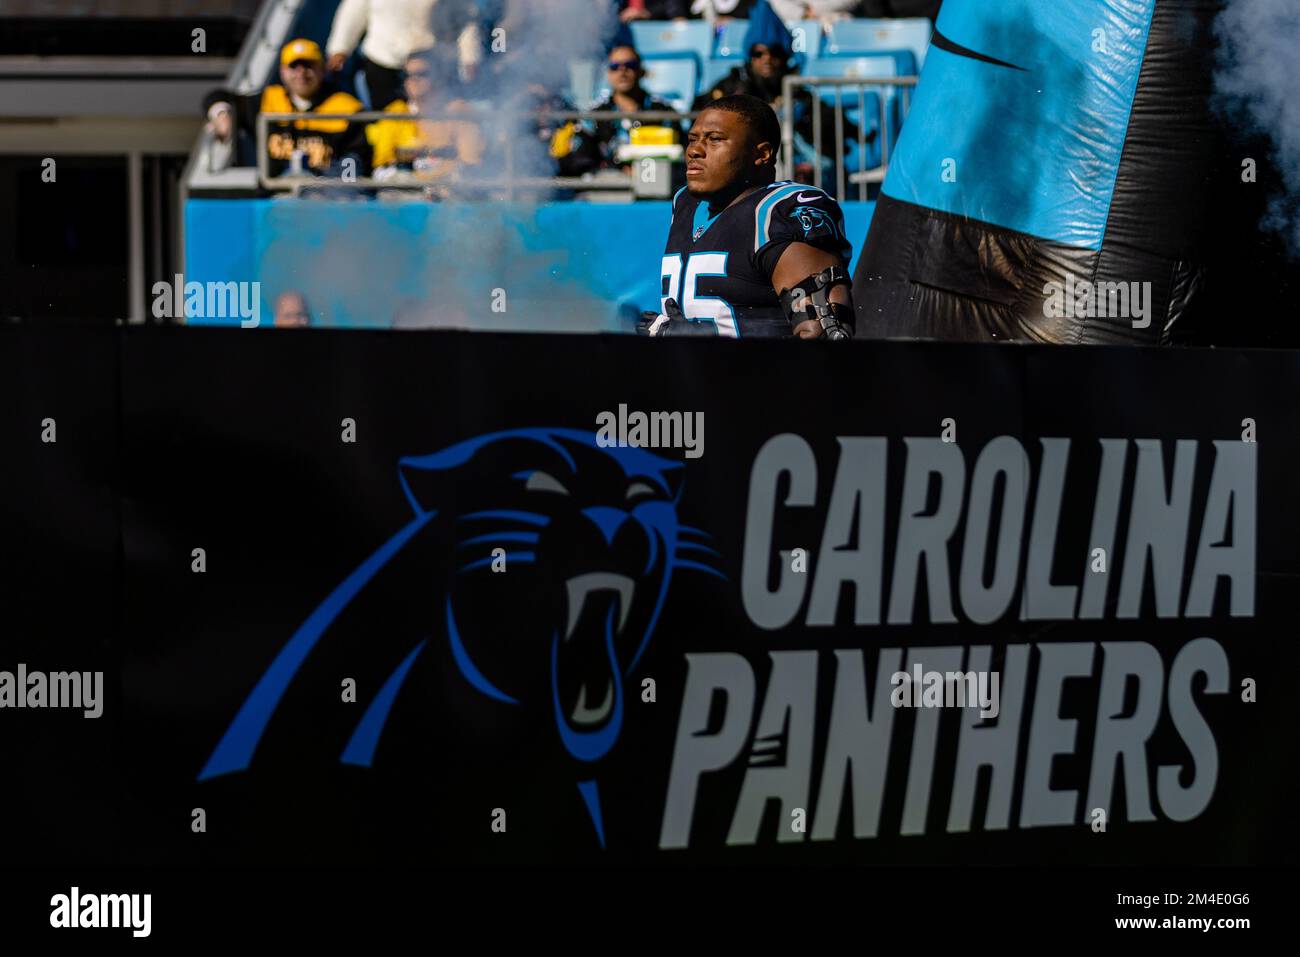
(584, 148)
(721, 11)
(790, 10)
(291, 310)
(432, 149)
(629, 10)
(393, 30)
(324, 143)
(769, 46)
(225, 143)
(899, 8)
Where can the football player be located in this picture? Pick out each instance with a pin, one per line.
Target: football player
(747, 255)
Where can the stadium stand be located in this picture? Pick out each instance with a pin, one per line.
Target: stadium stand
(684, 58)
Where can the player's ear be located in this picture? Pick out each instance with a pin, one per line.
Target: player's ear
(765, 153)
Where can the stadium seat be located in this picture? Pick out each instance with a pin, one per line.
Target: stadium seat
(715, 70)
(731, 40)
(585, 78)
(806, 36)
(865, 63)
(854, 37)
(674, 77)
(808, 40)
(673, 36)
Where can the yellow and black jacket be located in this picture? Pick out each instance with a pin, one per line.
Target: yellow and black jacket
(324, 143)
(430, 147)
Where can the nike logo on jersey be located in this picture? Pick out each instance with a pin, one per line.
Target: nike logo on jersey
(801, 198)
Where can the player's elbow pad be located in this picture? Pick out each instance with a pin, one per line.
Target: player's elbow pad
(810, 299)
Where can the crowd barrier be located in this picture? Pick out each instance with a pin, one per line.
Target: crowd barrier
(438, 597)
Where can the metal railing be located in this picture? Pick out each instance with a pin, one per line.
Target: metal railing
(888, 91)
(465, 177)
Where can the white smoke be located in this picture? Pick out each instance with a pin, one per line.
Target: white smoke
(1258, 82)
(456, 265)
(532, 58)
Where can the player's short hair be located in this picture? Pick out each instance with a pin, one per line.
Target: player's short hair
(758, 114)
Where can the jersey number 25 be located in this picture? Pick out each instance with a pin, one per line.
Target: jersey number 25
(697, 307)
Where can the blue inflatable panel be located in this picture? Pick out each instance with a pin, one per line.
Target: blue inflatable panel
(1045, 91)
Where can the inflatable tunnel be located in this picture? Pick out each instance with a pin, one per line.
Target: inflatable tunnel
(1061, 178)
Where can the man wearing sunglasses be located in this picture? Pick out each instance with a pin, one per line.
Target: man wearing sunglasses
(584, 148)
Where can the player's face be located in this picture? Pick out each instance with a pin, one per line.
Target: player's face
(719, 152)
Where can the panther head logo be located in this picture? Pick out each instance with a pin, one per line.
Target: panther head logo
(815, 222)
(556, 558)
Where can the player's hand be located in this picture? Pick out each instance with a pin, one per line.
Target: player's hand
(658, 323)
(808, 329)
(336, 62)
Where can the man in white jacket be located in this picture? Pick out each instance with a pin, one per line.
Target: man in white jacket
(791, 10)
(393, 29)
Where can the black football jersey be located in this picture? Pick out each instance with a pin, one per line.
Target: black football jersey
(719, 268)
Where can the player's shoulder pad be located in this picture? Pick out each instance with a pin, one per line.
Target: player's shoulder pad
(797, 212)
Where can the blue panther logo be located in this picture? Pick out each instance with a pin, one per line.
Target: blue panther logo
(590, 539)
(815, 222)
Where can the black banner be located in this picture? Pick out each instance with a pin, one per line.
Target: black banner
(413, 598)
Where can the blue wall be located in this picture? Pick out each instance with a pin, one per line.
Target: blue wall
(562, 266)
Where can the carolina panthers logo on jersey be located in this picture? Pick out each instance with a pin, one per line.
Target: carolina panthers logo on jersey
(590, 539)
(815, 222)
